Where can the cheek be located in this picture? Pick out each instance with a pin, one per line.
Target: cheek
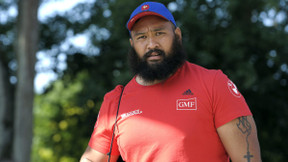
(140, 51)
(167, 45)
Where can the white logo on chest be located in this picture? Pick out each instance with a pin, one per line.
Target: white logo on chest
(135, 112)
(187, 104)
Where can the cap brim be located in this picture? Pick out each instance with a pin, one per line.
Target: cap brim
(134, 19)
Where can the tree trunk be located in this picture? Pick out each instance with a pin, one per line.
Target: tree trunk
(26, 48)
(6, 113)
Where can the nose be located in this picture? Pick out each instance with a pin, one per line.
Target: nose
(152, 43)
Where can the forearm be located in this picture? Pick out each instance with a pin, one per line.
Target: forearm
(85, 160)
(239, 138)
(91, 155)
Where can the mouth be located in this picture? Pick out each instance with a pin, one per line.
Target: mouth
(154, 56)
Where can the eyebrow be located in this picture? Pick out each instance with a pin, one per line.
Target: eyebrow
(139, 33)
(159, 29)
(154, 30)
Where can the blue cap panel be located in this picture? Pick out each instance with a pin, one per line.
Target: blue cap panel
(149, 8)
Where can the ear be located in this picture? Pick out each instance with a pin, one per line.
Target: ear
(178, 33)
(131, 42)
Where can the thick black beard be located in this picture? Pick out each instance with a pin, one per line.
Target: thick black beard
(158, 71)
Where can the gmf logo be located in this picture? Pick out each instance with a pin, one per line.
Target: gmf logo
(187, 104)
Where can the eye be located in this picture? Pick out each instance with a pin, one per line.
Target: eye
(159, 33)
(141, 37)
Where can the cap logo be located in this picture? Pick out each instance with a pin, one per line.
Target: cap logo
(145, 7)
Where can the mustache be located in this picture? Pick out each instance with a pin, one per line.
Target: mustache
(149, 53)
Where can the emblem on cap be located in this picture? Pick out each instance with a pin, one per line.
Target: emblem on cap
(145, 7)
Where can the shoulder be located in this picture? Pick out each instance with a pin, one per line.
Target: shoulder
(114, 94)
(111, 100)
(202, 72)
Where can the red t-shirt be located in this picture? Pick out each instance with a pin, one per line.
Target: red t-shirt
(171, 121)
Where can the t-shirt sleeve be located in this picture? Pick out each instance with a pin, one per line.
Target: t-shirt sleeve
(228, 102)
(101, 137)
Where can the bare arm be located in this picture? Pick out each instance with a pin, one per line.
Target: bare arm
(91, 155)
(240, 140)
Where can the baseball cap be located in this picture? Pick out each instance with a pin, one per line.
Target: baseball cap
(148, 9)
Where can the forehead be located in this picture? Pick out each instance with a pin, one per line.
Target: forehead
(149, 23)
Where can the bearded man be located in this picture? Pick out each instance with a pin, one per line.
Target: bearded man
(172, 110)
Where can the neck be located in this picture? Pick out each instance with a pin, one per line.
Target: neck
(143, 82)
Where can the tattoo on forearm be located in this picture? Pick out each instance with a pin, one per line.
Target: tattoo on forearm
(245, 127)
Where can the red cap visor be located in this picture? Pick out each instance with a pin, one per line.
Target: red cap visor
(140, 15)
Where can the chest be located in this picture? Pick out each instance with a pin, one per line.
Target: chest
(178, 111)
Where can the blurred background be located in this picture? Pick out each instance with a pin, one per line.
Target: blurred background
(59, 57)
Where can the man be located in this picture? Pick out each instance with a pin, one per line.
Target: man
(171, 110)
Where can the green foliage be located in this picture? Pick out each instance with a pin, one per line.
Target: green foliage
(7, 37)
(63, 117)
